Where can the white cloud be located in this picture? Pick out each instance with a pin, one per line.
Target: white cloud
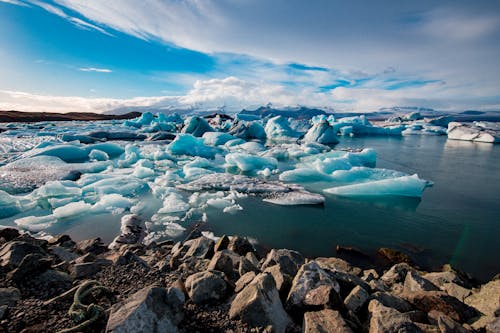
(93, 69)
(14, 2)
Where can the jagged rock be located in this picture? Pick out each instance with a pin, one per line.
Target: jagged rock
(9, 234)
(200, 247)
(392, 301)
(94, 246)
(221, 261)
(131, 231)
(396, 273)
(222, 243)
(9, 296)
(32, 240)
(85, 270)
(393, 256)
(62, 240)
(378, 285)
(457, 291)
(415, 282)
(250, 256)
(89, 257)
(29, 266)
(282, 280)
(388, 320)
(3, 311)
(240, 245)
(151, 309)
(440, 278)
(129, 257)
(259, 305)
(337, 264)
(325, 321)
(206, 286)
(487, 301)
(347, 282)
(53, 279)
(445, 323)
(370, 275)
(437, 300)
(246, 266)
(243, 281)
(63, 253)
(493, 326)
(289, 260)
(14, 252)
(302, 293)
(356, 299)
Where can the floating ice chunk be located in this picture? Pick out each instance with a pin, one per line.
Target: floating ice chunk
(58, 189)
(192, 172)
(346, 130)
(216, 138)
(321, 132)
(9, 205)
(247, 162)
(265, 173)
(123, 185)
(278, 128)
(248, 131)
(250, 147)
(143, 172)
(219, 203)
(59, 202)
(124, 136)
(72, 209)
(98, 155)
(329, 165)
(409, 186)
(303, 175)
(363, 174)
(112, 149)
(112, 202)
(35, 223)
(78, 137)
(196, 126)
(67, 153)
(472, 132)
(296, 198)
(232, 209)
(132, 155)
(186, 144)
(173, 204)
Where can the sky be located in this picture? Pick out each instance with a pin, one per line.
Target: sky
(115, 55)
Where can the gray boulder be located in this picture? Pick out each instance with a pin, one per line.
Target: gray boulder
(12, 253)
(289, 260)
(388, 320)
(201, 247)
(222, 261)
(206, 286)
(356, 299)
(415, 282)
(392, 301)
(9, 296)
(325, 321)
(337, 264)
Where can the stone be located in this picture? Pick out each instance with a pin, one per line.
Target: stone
(415, 282)
(62, 240)
(370, 275)
(250, 256)
(131, 231)
(63, 253)
(54, 279)
(207, 286)
(493, 326)
(94, 246)
(356, 299)
(246, 266)
(9, 296)
(347, 282)
(259, 305)
(396, 273)
(392, 301)
(388, 320)
(337, 264)
(151, 309)
(26, 238)
(437, 300)
(84, 270)
(440, 278)
(310, 277)
(201, 247)
(243, 281)
(9, 234)
(240, 245)
(325, 321)
(3, 311)
(487, 302)
(222, 243)
(221, 261)
(289, 260)
(12, 253)
(282, 280)
(30, 265)
(393, 256)
(89, 257)
(445, 323)
(457, 291)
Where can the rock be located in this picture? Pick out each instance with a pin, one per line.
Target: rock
(415, 282)
(289, 260)
(393, 256)
(33, 241)
(201, 247)
(396, 273)
(493, 326)
(310, 277)
(445, 323)
(486, 301)
(337, 264)
(282, 280)
(457, 291)
(222, 243)
(131, 231)
(29, 267)
(356, 299)
(243, 281)
(246, 266)
(53, 279)
(63, 253)
(392, 301)
(151, 309)
(12, 253)
(370, 275)
(9, 296)
(388, 320)
(221, 261)
(3, 311)
(62, 240)
(9, 234)
(89, 257)
(240, 245)
(85, 270)
(206, 286)
(259, 305)
(250, 256)
(94, 246)
(325, 321)
(440, 278)
(129, 257)
(437, 300)
(347, 282)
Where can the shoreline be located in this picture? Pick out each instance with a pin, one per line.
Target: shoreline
(203, 285)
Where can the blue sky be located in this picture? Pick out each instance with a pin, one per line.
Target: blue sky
(100, 55)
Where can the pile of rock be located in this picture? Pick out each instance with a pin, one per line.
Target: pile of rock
(226, 285)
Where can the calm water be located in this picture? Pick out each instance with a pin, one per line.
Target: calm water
(457, 221)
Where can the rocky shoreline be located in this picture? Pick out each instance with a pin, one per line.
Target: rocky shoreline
(225, 285)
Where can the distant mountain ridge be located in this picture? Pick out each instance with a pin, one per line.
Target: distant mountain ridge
(28, 117)
(301, 112)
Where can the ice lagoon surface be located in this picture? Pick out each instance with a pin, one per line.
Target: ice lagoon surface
(270, 193)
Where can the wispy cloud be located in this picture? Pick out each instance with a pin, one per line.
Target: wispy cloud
(15, 2)
(93, 69)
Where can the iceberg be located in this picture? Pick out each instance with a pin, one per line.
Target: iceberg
(246, 162)
(473, 132)
(72, 209)
(217, 138)
(186, 144)
(173, 204)
(408, 186)
(248, 131)
(278, 129)
(321, 132)
(196, 126)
